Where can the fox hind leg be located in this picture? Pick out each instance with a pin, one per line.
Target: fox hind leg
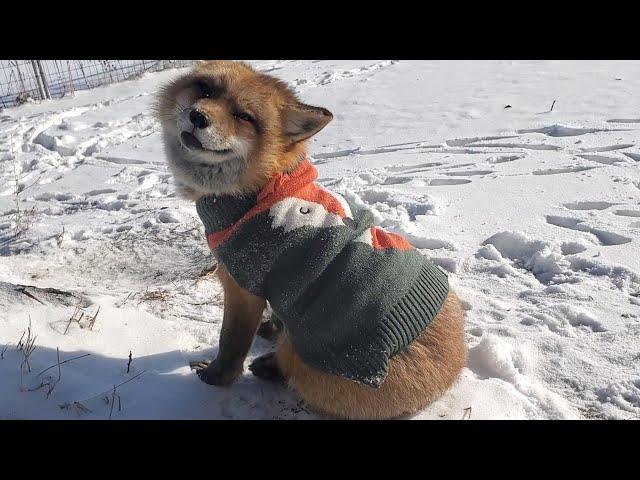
(266, 367)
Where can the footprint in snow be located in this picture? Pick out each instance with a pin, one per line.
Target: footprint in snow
(605, 237)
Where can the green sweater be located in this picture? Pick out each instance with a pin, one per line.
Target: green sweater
(349, 294)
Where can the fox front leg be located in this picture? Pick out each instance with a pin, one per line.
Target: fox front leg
(242, 315)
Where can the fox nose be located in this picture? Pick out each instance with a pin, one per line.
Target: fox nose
(198, 119)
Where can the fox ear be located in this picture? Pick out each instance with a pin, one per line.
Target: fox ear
(302, 121)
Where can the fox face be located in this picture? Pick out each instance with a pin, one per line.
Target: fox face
(227, 128)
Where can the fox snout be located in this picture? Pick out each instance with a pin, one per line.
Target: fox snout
(201, 130)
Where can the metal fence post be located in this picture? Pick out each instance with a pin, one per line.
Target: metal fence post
(43, 78)
(36, 73)
(21, 80)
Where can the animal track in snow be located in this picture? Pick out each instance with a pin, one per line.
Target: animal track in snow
(470, 173)
(604, 237)
(561, 131)
(439, 182)
(557, 171)
(121, 161)
(624, 394)
(397, 180)
(504, 158)
(463, 142)
(586, 205)
(505, 254)
(413, 168)
(609, 148)
(60, 197)
(422, 144)
(338, 154)
(564, 320)
(385, 199)
(627, 213)
(101, 191)
(461, 165)
(360, 151)
(332, 76)
(526, 146)
(602, 159)
(624, 120)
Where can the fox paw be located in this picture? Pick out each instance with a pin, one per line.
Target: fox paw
(266, 368)
(211, 373)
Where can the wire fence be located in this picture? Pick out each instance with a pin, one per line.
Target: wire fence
(22, 81)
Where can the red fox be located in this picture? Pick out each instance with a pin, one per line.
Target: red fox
(366, 327)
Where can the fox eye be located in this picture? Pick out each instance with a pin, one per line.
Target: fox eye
(244, 116)
(204, 90)
(304, 210)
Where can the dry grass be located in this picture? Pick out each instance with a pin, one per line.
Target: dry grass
(207, 274)
(23, 218)
(49, 382)
(467, 414)
(114, 397)
(129, 362)
(159, 294)
(90, 321)
(60, 238)
(27, 347)
(108, 396)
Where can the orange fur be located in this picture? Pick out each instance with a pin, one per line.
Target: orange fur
(259, 94)
(417, 375)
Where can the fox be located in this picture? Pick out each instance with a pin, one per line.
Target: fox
(364, 327)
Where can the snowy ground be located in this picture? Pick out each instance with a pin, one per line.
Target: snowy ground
(535, 214)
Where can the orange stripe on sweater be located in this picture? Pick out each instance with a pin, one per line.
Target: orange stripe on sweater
(298, 184)
(382, 240)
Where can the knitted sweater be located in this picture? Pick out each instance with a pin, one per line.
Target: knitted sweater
(349, 294)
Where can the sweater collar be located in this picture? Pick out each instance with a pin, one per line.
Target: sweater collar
(223, 214)
(286, 184)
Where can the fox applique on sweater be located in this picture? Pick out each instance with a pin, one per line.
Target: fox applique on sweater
(350, 295)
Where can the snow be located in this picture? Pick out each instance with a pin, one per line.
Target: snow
(533, 211)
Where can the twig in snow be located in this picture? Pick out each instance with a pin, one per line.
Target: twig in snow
(114, 395)
(92, 320)
(467, 414)
(74, 319)
(22, 289)
(79, 406)
(551, 109)
(159, 294)
(60, 237)
(19, 345)
(125, 300)
(49, 382)
(27, 349)
(130, 360)
(62, 363)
